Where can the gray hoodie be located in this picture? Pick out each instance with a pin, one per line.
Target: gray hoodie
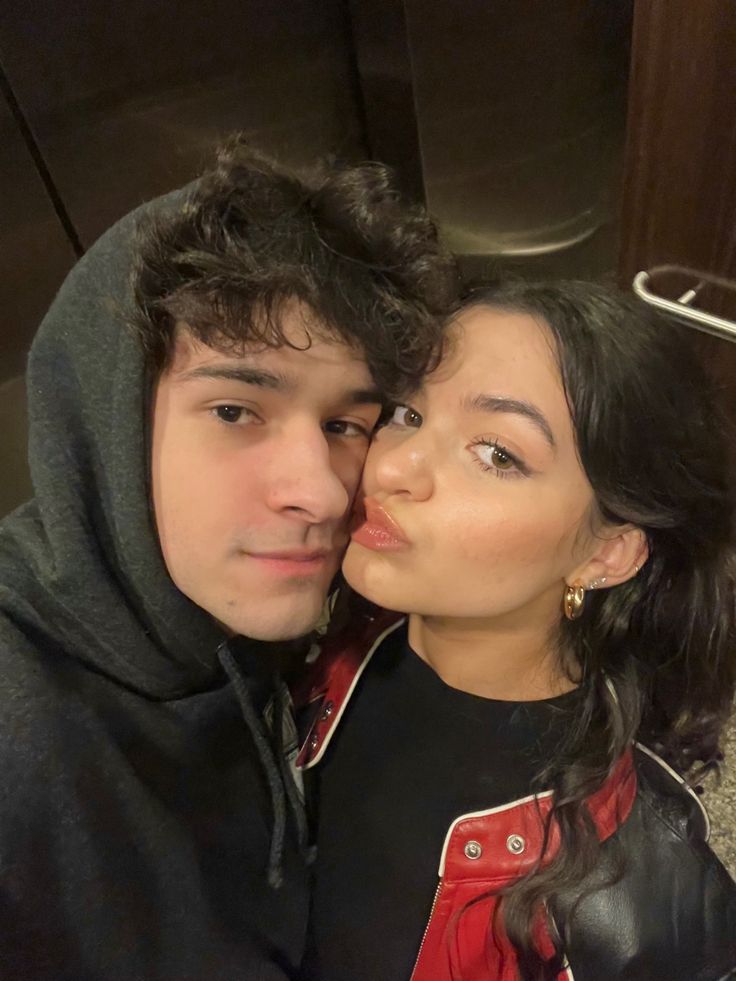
(148, 827)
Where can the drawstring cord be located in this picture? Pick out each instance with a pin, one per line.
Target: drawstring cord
(282, 702)
(266, 756)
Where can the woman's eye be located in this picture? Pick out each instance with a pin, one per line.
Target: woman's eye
(404, 415)
(501, 459)
(497, 460)
(232, 413)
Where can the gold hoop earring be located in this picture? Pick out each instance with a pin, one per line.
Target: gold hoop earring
(574, 600)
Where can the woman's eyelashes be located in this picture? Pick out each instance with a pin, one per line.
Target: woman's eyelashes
(488, 451)
(401, 416)
(492, 456)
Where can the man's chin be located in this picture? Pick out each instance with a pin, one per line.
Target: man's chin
(273, 626)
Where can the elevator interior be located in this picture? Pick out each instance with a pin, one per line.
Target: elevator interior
(508, 119)
(578, 137)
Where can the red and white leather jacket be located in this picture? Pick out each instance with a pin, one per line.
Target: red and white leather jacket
(681, 939)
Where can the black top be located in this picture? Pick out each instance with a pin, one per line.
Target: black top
(411, 755)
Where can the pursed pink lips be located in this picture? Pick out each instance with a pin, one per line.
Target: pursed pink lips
(380, 531)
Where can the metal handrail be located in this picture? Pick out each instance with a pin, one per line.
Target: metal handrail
(699, 319)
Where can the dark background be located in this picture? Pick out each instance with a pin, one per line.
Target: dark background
(587, 138)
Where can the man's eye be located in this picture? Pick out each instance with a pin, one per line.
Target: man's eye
(343, 427)
(404, 415)
(232, 413)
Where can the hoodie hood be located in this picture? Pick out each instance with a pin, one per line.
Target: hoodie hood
(81, 569)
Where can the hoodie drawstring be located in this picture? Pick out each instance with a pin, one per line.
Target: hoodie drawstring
(282, 702)
(266, 755)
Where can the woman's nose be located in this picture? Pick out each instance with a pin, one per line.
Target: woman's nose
(402, 468)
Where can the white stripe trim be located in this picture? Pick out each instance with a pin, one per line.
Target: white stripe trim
(480, 814)
(356, 678)
(665, 766)
(681, 781)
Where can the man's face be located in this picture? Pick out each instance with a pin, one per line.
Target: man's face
(257, 456)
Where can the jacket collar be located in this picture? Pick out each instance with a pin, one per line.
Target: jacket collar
(328, 688)
(335, 674)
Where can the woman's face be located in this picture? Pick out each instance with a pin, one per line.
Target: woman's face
(477, 505)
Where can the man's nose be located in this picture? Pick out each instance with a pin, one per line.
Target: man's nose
(302, 478)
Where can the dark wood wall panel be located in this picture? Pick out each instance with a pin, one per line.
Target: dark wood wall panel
(34, 252)
(126, 98)
(679, 196)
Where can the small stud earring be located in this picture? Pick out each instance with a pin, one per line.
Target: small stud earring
(598, 582)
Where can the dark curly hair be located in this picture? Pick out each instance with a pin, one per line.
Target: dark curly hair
(656, 654)
(252, 235)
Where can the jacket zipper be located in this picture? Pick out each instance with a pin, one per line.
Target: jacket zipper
(426, 929)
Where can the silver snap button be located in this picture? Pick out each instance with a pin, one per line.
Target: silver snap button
(472, 850)
(326, 711)
(515, 844)
(314, 741)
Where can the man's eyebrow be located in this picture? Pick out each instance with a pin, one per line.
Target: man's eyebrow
(240, 373)
(363, 396)
(274, 381)
(497, 403)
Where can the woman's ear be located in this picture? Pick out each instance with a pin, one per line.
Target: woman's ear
(621, 552)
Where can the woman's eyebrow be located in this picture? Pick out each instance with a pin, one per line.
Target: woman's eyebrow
(498, 403)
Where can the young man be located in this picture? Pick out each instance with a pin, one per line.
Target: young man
(197, 436)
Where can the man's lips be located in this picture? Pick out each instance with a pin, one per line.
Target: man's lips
(294, 562)
(380, 530)
(295, 554)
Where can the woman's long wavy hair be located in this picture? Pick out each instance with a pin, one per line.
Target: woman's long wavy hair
(656, 654)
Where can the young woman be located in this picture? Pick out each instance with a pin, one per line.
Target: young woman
(496, 771)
